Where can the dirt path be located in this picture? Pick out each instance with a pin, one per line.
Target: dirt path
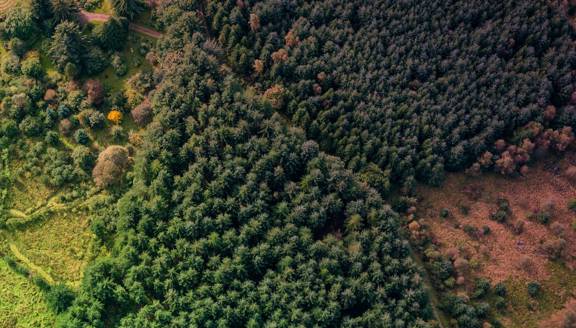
(37, 269)
(86, 16)
(7, 4)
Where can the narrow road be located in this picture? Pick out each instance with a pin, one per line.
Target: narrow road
(86, 16)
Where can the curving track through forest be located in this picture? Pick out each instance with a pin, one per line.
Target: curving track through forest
(7, 4)
(86, 16)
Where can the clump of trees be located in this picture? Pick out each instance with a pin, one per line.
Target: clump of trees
(510, 159)
(414, 104)
(232, 210)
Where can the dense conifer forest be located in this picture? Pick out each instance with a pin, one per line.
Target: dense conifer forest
(248, 163)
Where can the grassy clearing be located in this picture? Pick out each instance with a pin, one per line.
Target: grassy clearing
(29, 195)
(21, 302)
(525, 311)
(60, 245)
(134, 60)
(57, 244)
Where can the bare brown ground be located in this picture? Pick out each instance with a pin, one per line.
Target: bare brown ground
(501, 254)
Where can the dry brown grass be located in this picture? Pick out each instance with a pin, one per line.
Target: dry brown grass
(504, 253)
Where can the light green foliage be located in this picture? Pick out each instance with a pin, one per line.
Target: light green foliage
(19, 23)
(5, 183)
(21, 302)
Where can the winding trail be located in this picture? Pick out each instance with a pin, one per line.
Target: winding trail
(7, 4)
(86, 16)
(37, 269)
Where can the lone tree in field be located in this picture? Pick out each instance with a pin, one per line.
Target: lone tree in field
(110, 166)
(128, 8)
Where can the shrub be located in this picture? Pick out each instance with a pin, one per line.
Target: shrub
(500, 302)
(558, 229)
(503, 211)
(500, 289)
(526, 264)
(96, 120)
(534, 288)
(94, 92)
(59, 298)
(542, 217)
(52, 138)
(465, 210)
(31, 67)
(471, 231)
(572, 205)
(444, 213)
(142, 114)
(119, 66)
(41, 283)
(518, 227)
(481, 289)
(499, 216)
(83, 158)
(81, 137)
(554, 248)
(65, 127)
(117, 133)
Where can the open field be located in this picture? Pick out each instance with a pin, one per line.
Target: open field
(460, 217)
(58, 245)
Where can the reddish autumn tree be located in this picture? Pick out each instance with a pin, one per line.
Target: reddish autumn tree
(254, 22)
(65, 127)
(94, 92)
(142, 114)
(505, 164)
(50, 95)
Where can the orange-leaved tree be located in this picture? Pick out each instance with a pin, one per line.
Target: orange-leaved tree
(115, 117)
